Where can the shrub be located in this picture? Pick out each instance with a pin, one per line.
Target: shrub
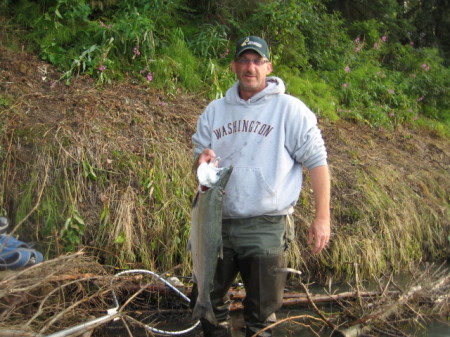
(315, 93)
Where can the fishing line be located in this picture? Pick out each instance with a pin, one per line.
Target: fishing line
(168, 284)
(115, 313)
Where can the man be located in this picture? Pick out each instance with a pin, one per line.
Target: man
(268, 137)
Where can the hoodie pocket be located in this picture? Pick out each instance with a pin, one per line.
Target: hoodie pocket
(248, 194)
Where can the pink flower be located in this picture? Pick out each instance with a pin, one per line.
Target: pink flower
(357, 39)
(376, 45)
(347, 69)
(102, 68)
(411, 43)
(149, 77)
(345, 85)
(416, 117)
(102, 24)
(391, 114)
(225, 53)
(358, 49)
(136, 51)
(420, 98)
(384, 38)
(390, 91)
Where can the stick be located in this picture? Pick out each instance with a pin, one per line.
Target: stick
(286, 320)
(319, 312)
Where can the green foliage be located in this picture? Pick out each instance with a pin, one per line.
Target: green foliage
(176, 65)
(301, 34)
(210, 41)
(315, 92)
(5, 102)
(440, 129)
(73, 230)
(388, 84)
(220, 79)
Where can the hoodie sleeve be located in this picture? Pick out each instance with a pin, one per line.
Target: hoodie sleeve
(304, 139)
(202, 137)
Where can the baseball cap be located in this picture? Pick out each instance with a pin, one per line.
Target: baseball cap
(252, 43)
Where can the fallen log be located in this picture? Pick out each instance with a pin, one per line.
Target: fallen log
(300, 298)
(382, 313)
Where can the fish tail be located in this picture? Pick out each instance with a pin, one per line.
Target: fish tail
(204, 311)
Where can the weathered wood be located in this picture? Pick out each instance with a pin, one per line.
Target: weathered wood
(16, 333)
(383, 312)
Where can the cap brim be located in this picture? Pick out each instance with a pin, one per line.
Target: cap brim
(251, 48)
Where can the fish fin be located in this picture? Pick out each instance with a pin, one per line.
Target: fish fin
(204, 311)
(194, 202)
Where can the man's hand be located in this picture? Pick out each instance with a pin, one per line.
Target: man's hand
(206, 156)
(319, 234)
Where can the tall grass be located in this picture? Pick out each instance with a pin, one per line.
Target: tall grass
(387, 223)
(130, 210)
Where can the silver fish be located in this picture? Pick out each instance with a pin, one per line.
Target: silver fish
(205, 242)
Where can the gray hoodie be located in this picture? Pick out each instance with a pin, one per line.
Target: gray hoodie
(267, 139)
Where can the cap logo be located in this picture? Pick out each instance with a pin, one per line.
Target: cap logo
(248, 42)
(245, 42)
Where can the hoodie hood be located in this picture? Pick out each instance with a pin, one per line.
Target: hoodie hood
(274, 86)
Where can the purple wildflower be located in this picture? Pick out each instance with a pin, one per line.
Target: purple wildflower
(347, 69)
(102, 68)
(345, 85)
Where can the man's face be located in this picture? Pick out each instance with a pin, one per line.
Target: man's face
(252, 77)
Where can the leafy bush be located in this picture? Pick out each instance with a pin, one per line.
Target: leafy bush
(313, 91)
(210, 41)
(177, 65)
(355, 70)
